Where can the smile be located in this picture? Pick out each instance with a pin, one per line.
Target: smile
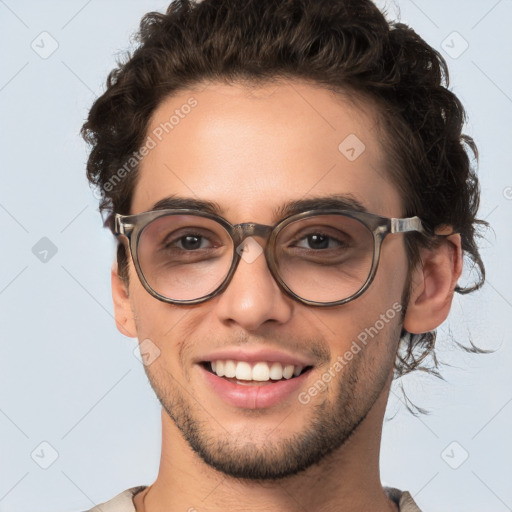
(255, 384)
(260, 371)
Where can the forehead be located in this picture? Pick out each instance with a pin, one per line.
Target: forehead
(252, 148)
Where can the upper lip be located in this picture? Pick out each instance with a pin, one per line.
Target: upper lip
(254, 356)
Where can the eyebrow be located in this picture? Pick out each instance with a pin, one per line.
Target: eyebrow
(333, 201)
(330, 202)
(189, 203)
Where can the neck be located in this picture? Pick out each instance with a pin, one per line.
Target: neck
(347, 480)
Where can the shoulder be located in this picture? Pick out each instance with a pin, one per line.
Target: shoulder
(403, 499)
(123, 502)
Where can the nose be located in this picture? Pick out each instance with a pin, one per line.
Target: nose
(253, 297)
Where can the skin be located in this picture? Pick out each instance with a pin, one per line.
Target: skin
(250, 150)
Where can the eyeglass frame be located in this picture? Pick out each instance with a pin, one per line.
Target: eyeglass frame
(131, 227)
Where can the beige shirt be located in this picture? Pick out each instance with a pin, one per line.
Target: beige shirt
(124, 502)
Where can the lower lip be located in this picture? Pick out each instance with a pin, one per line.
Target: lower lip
(254, 396)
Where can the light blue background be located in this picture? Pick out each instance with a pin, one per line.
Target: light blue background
(69, 378)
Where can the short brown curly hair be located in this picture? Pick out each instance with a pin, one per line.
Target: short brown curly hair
(343, 45)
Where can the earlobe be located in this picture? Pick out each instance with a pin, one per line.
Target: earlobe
(432, 285)
(123, 314)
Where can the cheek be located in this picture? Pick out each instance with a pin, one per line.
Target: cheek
(391, 276)
(376, 314)
(156, 323)
(166, 332)
(154, 319)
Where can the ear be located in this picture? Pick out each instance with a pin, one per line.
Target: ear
(433, 284)
(125, 321)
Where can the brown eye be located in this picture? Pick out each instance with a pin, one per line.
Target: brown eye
(190, 243)
(318, 241)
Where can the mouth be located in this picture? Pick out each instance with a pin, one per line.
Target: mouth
(254, 384)
(254, 373)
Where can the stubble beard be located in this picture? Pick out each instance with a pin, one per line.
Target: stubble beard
(332, 419)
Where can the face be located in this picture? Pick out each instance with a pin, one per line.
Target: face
(252, 151)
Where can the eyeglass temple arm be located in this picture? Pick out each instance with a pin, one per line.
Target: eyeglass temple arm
(415, 224)
(409, 224)
(120, 228)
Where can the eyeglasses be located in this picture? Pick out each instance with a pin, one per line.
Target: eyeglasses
(318, 257)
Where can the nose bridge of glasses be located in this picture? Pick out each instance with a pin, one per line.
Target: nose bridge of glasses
(249, 229)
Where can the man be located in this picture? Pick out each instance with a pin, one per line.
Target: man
(293, 198)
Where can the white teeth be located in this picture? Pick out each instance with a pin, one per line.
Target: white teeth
(276, 371)
(219, 368)
(229, 369)
(288, 371)
(260, 371)
(243, 371)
